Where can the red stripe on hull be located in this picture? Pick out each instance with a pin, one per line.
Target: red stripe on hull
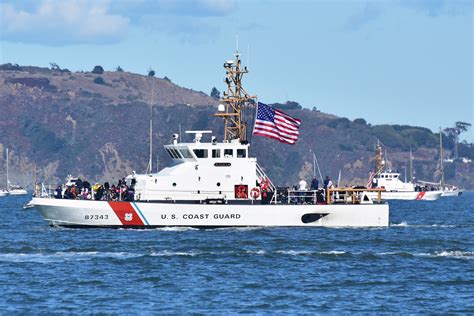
(420, 195)
(126, 213)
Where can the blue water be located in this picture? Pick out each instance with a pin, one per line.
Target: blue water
(424, 262)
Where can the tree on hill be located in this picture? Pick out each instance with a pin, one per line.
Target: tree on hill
(99, 80)
(55, 66)
(151, 73)
(119, 69)
(98, 70)
(454, 132)
(215, 93)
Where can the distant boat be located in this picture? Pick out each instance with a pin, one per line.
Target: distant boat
(446, 189)
(12, 189)
(395, 188)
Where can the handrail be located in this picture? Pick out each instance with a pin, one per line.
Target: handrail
(353, 190)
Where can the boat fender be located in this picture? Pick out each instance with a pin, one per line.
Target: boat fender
(255, 193)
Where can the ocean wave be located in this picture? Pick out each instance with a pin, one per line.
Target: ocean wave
(402, 224)
(455, 254)
(168, 253)
(405, 224)
(256, 252)
(306, 252)
(61, 256)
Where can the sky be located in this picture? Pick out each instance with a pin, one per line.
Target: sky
(389, 62)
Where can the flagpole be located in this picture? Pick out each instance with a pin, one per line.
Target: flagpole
(255, 118)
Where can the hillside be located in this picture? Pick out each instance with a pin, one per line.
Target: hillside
(74, 123)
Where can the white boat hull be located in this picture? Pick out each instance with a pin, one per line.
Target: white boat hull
(18, 192)
(391, 195)
(452, 193)
(147, 215)
(4, 193)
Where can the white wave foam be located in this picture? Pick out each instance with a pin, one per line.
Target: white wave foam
(402, 224)
(59, 256)
(167, 253)
(294, 252)
(455, 254)
(256, 252)
(333, 252)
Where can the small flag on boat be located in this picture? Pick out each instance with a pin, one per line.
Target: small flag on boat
(273, 123)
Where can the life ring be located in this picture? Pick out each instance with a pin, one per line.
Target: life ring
(255, 193)
(264, 184)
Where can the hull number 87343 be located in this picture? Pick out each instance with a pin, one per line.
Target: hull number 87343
(96, 217)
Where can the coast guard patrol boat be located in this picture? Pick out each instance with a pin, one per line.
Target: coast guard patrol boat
(215, 183)
(394, 187)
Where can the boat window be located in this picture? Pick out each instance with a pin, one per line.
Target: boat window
(176, 153)
(216, 153)
(200, 153)
(186, 153)
(241, 153)
(171, 153)
(228, 153)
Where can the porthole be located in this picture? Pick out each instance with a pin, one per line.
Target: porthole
(174, 184)
(218, 184)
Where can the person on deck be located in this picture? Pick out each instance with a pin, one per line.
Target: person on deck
(314, 184)
(302, 185)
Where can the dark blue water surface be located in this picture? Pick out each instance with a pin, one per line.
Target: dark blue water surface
(424, 262)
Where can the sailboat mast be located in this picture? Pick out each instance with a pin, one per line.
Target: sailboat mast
(150, 162)
(441, 157)
(8, 179)
(411, 166)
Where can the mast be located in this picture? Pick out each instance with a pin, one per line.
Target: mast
(379, 160)
(8, 180)
(411, 166)
(150, 158)
(441, 157)
(233, 101)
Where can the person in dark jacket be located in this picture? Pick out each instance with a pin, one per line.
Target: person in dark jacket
(314, 184)
(58, 193)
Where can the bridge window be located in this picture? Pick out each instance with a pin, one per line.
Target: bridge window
(216, 153)
(228, 153)
(185, 153)
(200, 153)
(173, 153)
(241, 153)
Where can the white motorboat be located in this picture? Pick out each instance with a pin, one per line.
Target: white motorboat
(213, 184)
(4, 192)
(395, 188)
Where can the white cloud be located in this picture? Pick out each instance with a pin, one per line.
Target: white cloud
(56, 22)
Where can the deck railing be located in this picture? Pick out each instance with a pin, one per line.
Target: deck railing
(331, 196)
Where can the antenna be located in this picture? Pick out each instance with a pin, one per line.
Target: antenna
(150, 160)
(237, 43)
(234, 101)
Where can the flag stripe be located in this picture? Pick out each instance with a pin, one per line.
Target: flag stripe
(264, 124)
(275, 124)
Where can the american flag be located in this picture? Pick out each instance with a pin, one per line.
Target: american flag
(276, 124)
